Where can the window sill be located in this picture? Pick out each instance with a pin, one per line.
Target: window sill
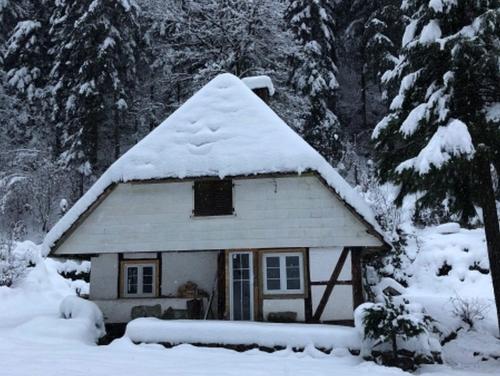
(284, 295)
(139, 297)
(194, 216)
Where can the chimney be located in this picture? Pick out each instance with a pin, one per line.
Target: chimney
(262, 86)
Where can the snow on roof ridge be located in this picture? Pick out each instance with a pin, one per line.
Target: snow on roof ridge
(259, 82)
(222, 130)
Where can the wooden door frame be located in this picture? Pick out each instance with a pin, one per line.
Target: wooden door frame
(252, 281)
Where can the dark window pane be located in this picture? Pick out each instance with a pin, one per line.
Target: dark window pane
(245, 261)
(147, 279)
(147, 271)
(293, 284)
(245, 309)
(273, 273)
(236, 261)
(237, 296)
(292, 261)
(273, 261)
(273, 284)
(293, 272)
(213, 197)
(245, 274)
(132, 280)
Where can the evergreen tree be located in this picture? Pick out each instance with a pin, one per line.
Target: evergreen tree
(381, 39)
(95, 58)
(25, 57)
(393, 324)
(312, 23)
(10, 13)
(441, 138)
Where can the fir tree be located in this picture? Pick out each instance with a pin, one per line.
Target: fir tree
(381, 39)
(95, 59)
(391, 323)
(312, 23)
(442, 136)
(25, 57)
(10, 13)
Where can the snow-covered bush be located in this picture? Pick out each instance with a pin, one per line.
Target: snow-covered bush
(14, 262)
(73, 307)
(397, 334)
(470, 310)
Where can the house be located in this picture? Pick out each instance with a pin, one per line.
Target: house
(222, 212)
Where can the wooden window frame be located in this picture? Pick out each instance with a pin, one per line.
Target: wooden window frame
(198, 213)
(283, 291)
(141, 263)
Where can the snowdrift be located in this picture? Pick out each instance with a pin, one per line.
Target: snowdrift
(152, 330)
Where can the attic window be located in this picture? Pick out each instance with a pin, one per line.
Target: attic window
(213, 197)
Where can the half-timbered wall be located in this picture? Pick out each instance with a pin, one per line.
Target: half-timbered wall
(322, 262)
(280, 212)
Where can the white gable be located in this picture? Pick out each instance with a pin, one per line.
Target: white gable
(223, 130)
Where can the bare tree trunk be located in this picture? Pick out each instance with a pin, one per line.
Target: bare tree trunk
(491, 227)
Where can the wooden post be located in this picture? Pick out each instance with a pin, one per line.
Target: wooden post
(308, 299)
(221, 285)
(330, 285)
(357, 279)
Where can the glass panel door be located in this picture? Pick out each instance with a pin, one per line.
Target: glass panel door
(241, 286)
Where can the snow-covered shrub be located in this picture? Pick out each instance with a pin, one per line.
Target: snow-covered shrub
(15, 260)
(470, 310)
(73, 307)
(397, 334)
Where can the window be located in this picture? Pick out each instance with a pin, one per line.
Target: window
(283, 273)
(213, 197)
(139, 278)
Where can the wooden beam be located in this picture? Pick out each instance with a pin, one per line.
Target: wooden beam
(307, 277)
(357, 279)
(324, 283)
(331, 283)
(221, 284)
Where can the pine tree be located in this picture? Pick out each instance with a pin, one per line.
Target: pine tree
(441, 138)
(382, 34)
(392, 323)
(95, 59)
(312, 23)
(10, 13)
(25, 56)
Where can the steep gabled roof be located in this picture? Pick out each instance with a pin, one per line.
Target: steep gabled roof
(222, 130)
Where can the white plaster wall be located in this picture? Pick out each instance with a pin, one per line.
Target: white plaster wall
(322, 262)
(118, 310)
(339, 306)
(282, 305)
(104, 276)
(269, 213)
(180, 267)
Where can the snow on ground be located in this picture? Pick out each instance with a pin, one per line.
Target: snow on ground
(450, 263)
(152, 330)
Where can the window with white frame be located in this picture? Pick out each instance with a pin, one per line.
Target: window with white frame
(139, 279)
(283, 273)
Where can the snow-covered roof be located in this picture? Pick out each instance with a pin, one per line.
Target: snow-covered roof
(222, 130)
(259, 82)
